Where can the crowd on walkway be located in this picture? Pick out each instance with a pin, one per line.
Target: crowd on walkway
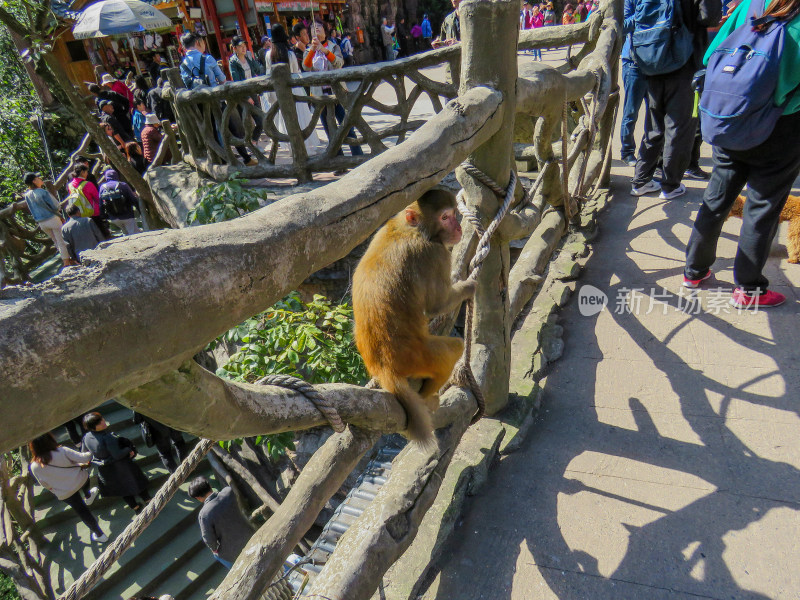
(66, 472)
(738, 91)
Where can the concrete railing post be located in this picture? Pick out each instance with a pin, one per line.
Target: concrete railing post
(489, 58)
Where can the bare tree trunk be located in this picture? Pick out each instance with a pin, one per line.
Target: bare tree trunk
(51, 72)
(489, 58)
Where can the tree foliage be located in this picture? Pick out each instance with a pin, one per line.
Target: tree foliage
(21, 147)
(310, 340)
(225, 201)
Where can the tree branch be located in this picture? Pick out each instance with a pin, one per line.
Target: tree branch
(150, 302)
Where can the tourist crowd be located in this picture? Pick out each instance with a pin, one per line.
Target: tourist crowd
(748, 109)
(66, 473)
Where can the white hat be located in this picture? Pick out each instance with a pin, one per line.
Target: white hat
(151, 119)
(107, 79)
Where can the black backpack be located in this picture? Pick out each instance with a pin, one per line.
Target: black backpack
(113, 201)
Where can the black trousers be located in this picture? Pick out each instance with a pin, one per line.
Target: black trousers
(769, 170)
(164, 446)
(131, 500)
(79, 506)
(669, 128)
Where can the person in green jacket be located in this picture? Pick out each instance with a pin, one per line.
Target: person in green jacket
(243, 66)
(769, 170)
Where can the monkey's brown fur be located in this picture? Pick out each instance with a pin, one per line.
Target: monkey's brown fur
(401, 283)
(791, 213)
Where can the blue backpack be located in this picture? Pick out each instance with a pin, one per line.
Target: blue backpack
(660, 42)
(737, 110)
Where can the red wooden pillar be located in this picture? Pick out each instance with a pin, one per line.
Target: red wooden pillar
(210, 10)
(243, 24)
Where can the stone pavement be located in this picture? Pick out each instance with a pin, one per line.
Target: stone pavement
(664, 462)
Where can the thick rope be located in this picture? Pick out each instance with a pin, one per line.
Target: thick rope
(482, 251)
(103, 563)
(462, 373)
(309, 391)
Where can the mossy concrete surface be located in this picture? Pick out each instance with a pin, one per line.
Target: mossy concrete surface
(535, 344)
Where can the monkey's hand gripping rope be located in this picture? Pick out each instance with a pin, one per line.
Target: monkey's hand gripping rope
(462, 373)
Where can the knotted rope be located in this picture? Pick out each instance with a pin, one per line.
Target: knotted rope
(462, 373)
(309, 391)
(94, 573)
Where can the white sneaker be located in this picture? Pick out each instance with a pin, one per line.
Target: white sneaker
(651, 187)
(678, 191)
(99, 538)
(92, 495)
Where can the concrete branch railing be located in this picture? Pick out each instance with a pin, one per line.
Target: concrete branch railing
(143, 305)
(204, 115)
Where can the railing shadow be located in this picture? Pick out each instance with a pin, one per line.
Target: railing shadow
(675, 546)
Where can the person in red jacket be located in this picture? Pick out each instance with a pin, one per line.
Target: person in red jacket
(151, 139)
(115, 85)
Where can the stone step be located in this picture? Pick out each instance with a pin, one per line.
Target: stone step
(197, 580)
(182, 534)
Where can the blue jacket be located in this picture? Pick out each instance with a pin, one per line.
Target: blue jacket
(627, 27)
(427, 30)
(41, 204)
(138, 125)
(191, 66)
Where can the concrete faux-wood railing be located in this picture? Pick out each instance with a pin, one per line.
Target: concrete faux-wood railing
(148, 303)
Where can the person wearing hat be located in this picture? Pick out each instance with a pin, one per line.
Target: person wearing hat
(151, 139)
(120, 125)
(115, 85)
(46, 212)
(266, 46)
(121, 104)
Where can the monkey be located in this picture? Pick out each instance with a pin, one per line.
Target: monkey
(403, 281)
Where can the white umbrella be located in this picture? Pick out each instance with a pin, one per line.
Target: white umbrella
(111, 17)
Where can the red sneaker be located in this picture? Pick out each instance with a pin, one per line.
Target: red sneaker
(741, 299)
(694, 283)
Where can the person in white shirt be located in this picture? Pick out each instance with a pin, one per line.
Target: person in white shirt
(63, 472)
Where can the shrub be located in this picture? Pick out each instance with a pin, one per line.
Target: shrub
(224, 201)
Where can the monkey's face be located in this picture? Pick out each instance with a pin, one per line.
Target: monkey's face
(450, 228)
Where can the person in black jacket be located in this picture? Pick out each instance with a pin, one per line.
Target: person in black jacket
(164, 438)
(119, 475)
(669, 125)
(121, 104)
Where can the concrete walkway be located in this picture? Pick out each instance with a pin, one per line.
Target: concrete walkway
(664, 463)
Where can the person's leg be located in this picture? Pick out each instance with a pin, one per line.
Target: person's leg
(324, 118)
(776, 164)
(653, 139)
(635, 85)
(164, 447)
(74, 430)
(180, 444)
(131, 501)
(77, 503)
(727, 180)
(52, 227)
(694, 160)
(679, 128)
(145, 495)
(128, 226)
(340, 114)
(236, 128)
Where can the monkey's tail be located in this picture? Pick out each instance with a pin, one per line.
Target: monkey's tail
(419, 427)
